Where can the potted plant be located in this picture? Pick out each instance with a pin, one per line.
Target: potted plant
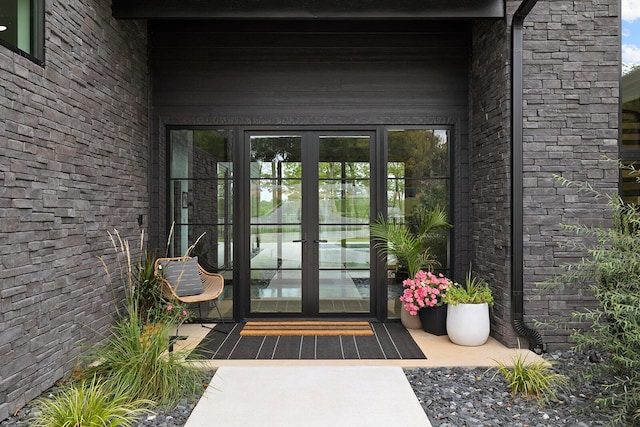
(407, 249)
(424, 296)
(468, 311)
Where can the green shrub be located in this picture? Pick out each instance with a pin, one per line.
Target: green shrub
(535, 379)
(88, 404)
(612, 274)
(136, 359)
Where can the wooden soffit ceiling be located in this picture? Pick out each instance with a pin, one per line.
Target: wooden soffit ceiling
(308, 9)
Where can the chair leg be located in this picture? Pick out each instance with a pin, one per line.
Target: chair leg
(215, 303)
(226, 331)
(174, 338)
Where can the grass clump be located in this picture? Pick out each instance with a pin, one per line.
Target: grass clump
(534, 379)
(136, 358)
(88, 403)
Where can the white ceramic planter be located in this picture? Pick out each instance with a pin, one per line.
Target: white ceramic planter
(468, 324)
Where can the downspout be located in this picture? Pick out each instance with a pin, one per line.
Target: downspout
(536, 343)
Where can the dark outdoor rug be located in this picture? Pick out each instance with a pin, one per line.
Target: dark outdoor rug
(389, 341)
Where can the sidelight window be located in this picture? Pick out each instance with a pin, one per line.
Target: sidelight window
(201, 201)
(418, 180)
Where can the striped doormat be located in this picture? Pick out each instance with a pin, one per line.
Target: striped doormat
(390, 340)
(306, 328)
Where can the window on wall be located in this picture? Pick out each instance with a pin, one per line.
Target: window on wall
(630, 136)
(200, 201)
(22, 27)
(629, 153)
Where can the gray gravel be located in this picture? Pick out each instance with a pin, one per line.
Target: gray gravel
(459, 397)
(456, 397)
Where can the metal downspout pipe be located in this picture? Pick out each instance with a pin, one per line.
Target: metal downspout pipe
(536, 343)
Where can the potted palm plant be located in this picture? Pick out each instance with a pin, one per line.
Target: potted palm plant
(409, 247)
(468, 311)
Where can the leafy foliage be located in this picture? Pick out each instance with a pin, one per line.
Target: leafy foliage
(475, 291)
(534, 379)
(147, 293)
(135, 358)
(88, 403)
(612, 274)
(410, 247)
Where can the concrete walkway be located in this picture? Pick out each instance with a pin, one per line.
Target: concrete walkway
(309, 396)
(309, 393)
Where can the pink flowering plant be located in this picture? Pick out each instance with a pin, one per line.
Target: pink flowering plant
(425, 290)
(169, 313)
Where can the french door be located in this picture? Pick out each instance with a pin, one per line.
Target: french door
(310, 210)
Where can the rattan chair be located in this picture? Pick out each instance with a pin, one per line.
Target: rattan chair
(212, 286)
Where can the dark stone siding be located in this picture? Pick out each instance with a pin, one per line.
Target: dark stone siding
(571, 91)
(571, 77)
(73, 165)
(490, 165)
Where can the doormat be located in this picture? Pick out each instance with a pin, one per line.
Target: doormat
(309, 328)
(390, 340)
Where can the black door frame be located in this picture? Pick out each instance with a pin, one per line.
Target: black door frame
(242, 303)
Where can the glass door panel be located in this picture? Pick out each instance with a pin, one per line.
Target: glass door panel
(344, 193)
(276, 224)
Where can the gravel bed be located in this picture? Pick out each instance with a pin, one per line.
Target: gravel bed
(461, 397)
(458, 397)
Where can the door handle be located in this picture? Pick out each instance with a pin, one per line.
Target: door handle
(303, 240)
(320, 241)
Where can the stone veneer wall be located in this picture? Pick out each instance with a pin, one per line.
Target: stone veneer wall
(73, 165)
(490, 163)
(571, 79)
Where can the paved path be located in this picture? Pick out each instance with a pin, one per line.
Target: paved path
(309, 396)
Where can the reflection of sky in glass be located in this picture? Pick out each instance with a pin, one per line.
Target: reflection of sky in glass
(631, 31)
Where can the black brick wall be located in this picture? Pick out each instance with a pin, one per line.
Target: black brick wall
(571, 51)
(571, 88)
(490, 165)
(73, 164)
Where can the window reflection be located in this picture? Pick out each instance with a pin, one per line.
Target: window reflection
(630, 135)
(201, 197)
(417, 181)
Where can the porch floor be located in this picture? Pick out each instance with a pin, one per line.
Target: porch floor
(349, 393)
(439, 352)
(340, 393)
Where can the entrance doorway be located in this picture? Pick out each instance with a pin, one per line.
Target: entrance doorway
(284, 215)
(310, 210)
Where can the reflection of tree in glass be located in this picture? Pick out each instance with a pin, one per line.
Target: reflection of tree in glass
(418, 180)
(344, 172)
(214, 143)
(424, 153)
(277, 170)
